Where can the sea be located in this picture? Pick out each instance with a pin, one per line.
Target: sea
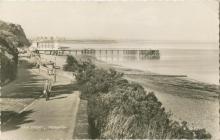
(198, 61)
(197, 64)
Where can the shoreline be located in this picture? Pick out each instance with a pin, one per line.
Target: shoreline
(195, 102)
(203, 90)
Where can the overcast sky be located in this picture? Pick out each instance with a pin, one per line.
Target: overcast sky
(189, 20)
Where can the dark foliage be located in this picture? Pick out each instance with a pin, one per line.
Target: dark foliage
(119, 109)
(71, 64)
(8, 68)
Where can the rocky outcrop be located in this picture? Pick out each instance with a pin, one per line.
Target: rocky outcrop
(12, 37)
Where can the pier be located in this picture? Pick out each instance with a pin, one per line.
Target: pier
(71, 47)
(150, 54)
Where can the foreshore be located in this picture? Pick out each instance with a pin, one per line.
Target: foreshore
(187, 99)
(176, 85)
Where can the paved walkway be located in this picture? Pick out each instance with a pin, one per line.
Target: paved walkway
(46, 120)
(53, 119)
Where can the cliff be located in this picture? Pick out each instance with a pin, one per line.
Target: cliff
(12, 37)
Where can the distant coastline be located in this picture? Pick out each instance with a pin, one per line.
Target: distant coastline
(106, 41)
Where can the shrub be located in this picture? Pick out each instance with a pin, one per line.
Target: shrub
(71, 64)
(98, 80)
(119, 109)
(128, 112)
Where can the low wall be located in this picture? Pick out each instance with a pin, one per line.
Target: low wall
(82, 126)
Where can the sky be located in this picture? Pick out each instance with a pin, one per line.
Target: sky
(157, 20)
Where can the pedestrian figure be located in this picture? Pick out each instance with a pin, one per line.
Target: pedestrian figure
(39, 68)
(50, 86)
(46, 90)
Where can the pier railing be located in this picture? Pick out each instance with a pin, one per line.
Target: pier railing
(152, 54)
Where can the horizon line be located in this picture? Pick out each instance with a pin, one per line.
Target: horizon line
(121, 40)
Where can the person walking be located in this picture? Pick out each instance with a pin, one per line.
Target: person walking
(46, 91)
(50, 86)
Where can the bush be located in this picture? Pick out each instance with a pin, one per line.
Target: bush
(119, 109)
(71, 64)
(99, 80)
(128, 112)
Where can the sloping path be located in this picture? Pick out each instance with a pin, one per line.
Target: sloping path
(46, 120)
(53, 119)
(22, 91)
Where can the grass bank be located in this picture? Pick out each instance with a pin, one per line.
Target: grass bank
(118, 108)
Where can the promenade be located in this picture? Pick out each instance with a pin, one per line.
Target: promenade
(37, 118)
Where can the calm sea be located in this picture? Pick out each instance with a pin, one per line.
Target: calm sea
(201, 64)
(197, 64)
